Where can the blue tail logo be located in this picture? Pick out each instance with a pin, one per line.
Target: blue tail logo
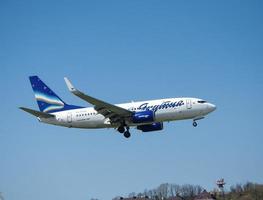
(47, 100)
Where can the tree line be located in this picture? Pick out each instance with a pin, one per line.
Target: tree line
(166, 190)
(247, 191)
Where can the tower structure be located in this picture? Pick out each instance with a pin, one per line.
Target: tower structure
(220, 184)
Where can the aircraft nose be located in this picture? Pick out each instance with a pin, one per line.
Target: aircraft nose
(211, 107)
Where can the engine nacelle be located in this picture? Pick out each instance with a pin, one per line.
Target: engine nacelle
(151, 127)
(143, 117)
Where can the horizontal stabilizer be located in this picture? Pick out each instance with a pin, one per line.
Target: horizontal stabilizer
(37, 113)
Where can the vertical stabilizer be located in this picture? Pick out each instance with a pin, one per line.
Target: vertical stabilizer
(47, 100)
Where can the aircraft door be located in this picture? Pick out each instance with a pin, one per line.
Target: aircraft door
(69, 118)
(188, 103)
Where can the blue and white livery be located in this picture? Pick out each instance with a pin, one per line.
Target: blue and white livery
(144, 115)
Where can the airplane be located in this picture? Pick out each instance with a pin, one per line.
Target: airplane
(146, 116)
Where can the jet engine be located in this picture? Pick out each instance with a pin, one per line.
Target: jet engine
(151, 127)
(143, 117)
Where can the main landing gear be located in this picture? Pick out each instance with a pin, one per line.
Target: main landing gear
(126, 132)
(121, 129)
(194, 123)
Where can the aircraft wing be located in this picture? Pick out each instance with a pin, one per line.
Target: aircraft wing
(115, 113)
(37, 113)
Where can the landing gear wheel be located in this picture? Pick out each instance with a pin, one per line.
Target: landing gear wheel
(194, 124)
(127, 134)
(121, 129)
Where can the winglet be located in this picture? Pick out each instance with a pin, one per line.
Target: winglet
(69, 85)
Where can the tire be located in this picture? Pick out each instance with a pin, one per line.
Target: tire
(194, 124)
(127, 134)
(121, 129)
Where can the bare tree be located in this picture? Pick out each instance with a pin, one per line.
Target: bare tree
(174, 190)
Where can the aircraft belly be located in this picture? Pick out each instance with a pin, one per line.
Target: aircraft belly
(170, 115)
(90, 124)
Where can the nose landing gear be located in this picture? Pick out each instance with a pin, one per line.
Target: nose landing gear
(195, 119)
(194, 123)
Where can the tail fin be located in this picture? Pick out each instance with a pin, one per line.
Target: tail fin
(47, 100)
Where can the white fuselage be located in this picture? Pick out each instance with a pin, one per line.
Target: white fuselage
(165, 110)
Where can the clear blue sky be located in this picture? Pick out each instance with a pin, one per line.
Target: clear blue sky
(123, 51)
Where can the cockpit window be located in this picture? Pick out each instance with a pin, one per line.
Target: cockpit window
(201, 101)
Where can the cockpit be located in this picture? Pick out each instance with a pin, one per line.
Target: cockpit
(201, 101)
